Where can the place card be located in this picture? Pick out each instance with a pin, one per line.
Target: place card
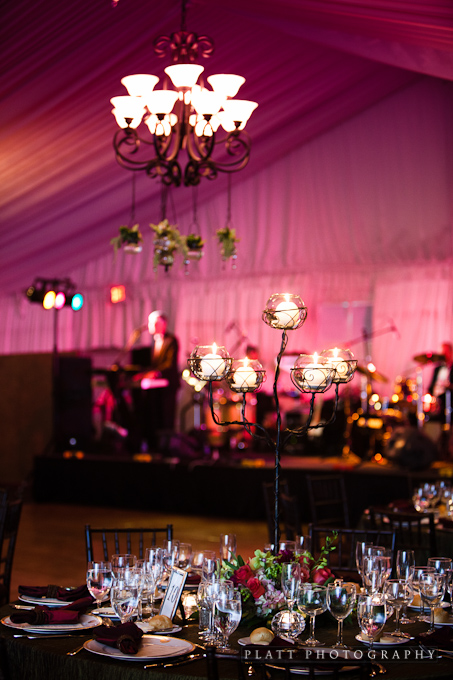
(173, 593)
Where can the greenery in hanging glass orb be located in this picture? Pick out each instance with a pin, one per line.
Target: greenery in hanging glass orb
(227, 240)
(127, 235)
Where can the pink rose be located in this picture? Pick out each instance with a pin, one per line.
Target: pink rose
(256, 587)
(320, 576)
(242, 574)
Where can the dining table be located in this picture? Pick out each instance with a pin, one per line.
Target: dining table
(46, 657)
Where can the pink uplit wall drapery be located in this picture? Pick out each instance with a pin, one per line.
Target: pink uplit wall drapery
(360, 214)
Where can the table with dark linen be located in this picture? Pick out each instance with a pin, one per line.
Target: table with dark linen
(46, 658)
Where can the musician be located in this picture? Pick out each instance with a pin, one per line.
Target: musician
(442, 379)
(156, 405)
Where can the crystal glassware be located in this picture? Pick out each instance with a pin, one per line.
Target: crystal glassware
(371, 615)
(185, 556)
(414, 578)
(125, 594)
(405, 559)
(228, 546)
(290, 581)
(398, 592)
(99, 580)
(432, 589)
(122, 561)
(312, 601)
(288, 624)
(227, 616)
(341, 598)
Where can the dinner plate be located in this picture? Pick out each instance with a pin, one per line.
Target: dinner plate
(48, 601)
(444, 605)
(107, 612)
(443, 623)
(144, 625)
(303, 670)
(381, 645)
(86, 621)
(152, 647)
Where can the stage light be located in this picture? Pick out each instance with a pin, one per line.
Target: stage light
(55, 294)
(49, 299)
(77, 302)
(60, 300)
(117, 294)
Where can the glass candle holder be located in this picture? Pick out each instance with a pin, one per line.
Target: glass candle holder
(312, 373)
(285, 311)
(210, 362)
(246, 375)
(342, 360)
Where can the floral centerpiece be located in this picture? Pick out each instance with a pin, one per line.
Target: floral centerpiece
(258, 579)
(130, 237)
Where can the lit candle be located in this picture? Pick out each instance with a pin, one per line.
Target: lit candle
(341, 366)
(212, 365)
(286, 314)
(244, 376)
(315, 374)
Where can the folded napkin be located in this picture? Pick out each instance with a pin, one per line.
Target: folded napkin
(55, 592)
(45, 615)
(125, 637)
(441, 637)
(192, 578)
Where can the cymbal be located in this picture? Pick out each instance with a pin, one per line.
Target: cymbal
(372, 375)
(428, 358)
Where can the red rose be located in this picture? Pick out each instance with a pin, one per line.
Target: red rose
(255, 587)
(320, 576)
(242, 574)
(304, 574)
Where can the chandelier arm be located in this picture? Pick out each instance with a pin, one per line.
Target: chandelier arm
(300, 431)
(215, 417)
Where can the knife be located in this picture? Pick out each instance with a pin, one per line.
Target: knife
(188, 659)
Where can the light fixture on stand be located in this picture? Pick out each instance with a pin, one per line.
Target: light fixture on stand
(187, 117)
(312, 374)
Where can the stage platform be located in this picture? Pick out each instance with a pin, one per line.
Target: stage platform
(227, 487)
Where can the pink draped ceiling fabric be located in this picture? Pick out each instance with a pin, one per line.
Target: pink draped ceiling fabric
(346, 199)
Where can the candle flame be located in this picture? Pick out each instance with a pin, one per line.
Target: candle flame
(335, 352)
(214, 348)
(245, 361)
(315, 357)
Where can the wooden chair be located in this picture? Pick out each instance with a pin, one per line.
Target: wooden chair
(327, 500)
(10, 514)
(342, 560)
(414, 530)
(130, 540)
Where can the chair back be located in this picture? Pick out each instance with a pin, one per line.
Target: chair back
(327, 500)
(101, 544)
(10, 514)
(342, 561)
(414, 530)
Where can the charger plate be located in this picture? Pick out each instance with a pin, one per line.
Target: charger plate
(152, 647)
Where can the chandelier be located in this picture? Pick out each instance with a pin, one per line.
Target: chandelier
(182, 116)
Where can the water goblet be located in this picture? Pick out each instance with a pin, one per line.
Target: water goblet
(405, 559)
(227, 616)
(303, 544)
(290, 581)
(398, 592)
(449, 584)
(432, 589)
(197, 560)
(209, 566)
(312, 601)
(414, 578)
(227, 546)
(213, 590)
(287, 546)
(371, 574)
(360, 552)
(154, 567)
(170, 556)
(341, 598)
(440, 564)
(185, 556)
(99, 580)
(371, 615)
(122, 561)
(204, 610)
(125, 594)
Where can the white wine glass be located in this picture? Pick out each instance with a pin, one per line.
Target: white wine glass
(405, 559)
(432, 589)
(124, 596)
(312, 601)
(228, 546)
(290, 581)
(185, 556)
(440, 564)
(414, 578)
(371, 615)
(227, 616)
(121, 562)
(99, 580)
(398, 592)
(341, 598)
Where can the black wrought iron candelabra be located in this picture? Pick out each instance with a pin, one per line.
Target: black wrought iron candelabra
(311, 373)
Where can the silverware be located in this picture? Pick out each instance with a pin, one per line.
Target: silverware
(45, 636)
(21, 606)
(187, 659)
(75, 651)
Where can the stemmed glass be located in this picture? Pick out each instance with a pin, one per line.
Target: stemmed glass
(209, 565)
(449, 584)
(227, 616)
(414, 578)
(170, 555)
(212, 591)
(122, 561)
(290, 580)
(303, 544)
(125, 594)
(185, 556)
(405, 559)
(154, 569)
(398, 592)
(99, 580)
(341, 598)
(432, 589)
(440, 564)
(371, 615)
(227, 546)
(374, 571)
(312, 601)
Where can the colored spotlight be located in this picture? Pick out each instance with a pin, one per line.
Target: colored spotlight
(60, 299)
(49, 300)
(77, 302)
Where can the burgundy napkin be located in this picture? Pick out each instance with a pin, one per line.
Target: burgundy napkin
(192, 578)
(125, 637)
(55, 592)
(441, 637)
(45, 615)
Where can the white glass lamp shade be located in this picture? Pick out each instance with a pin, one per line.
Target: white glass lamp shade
(202, 126)
(226, 84)
(342, 361)
(161, 127)
(161, 101)
(206, 102)
(140, 84)
(239, 111)
(184, 75)
(286, 311)
(128, 107)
